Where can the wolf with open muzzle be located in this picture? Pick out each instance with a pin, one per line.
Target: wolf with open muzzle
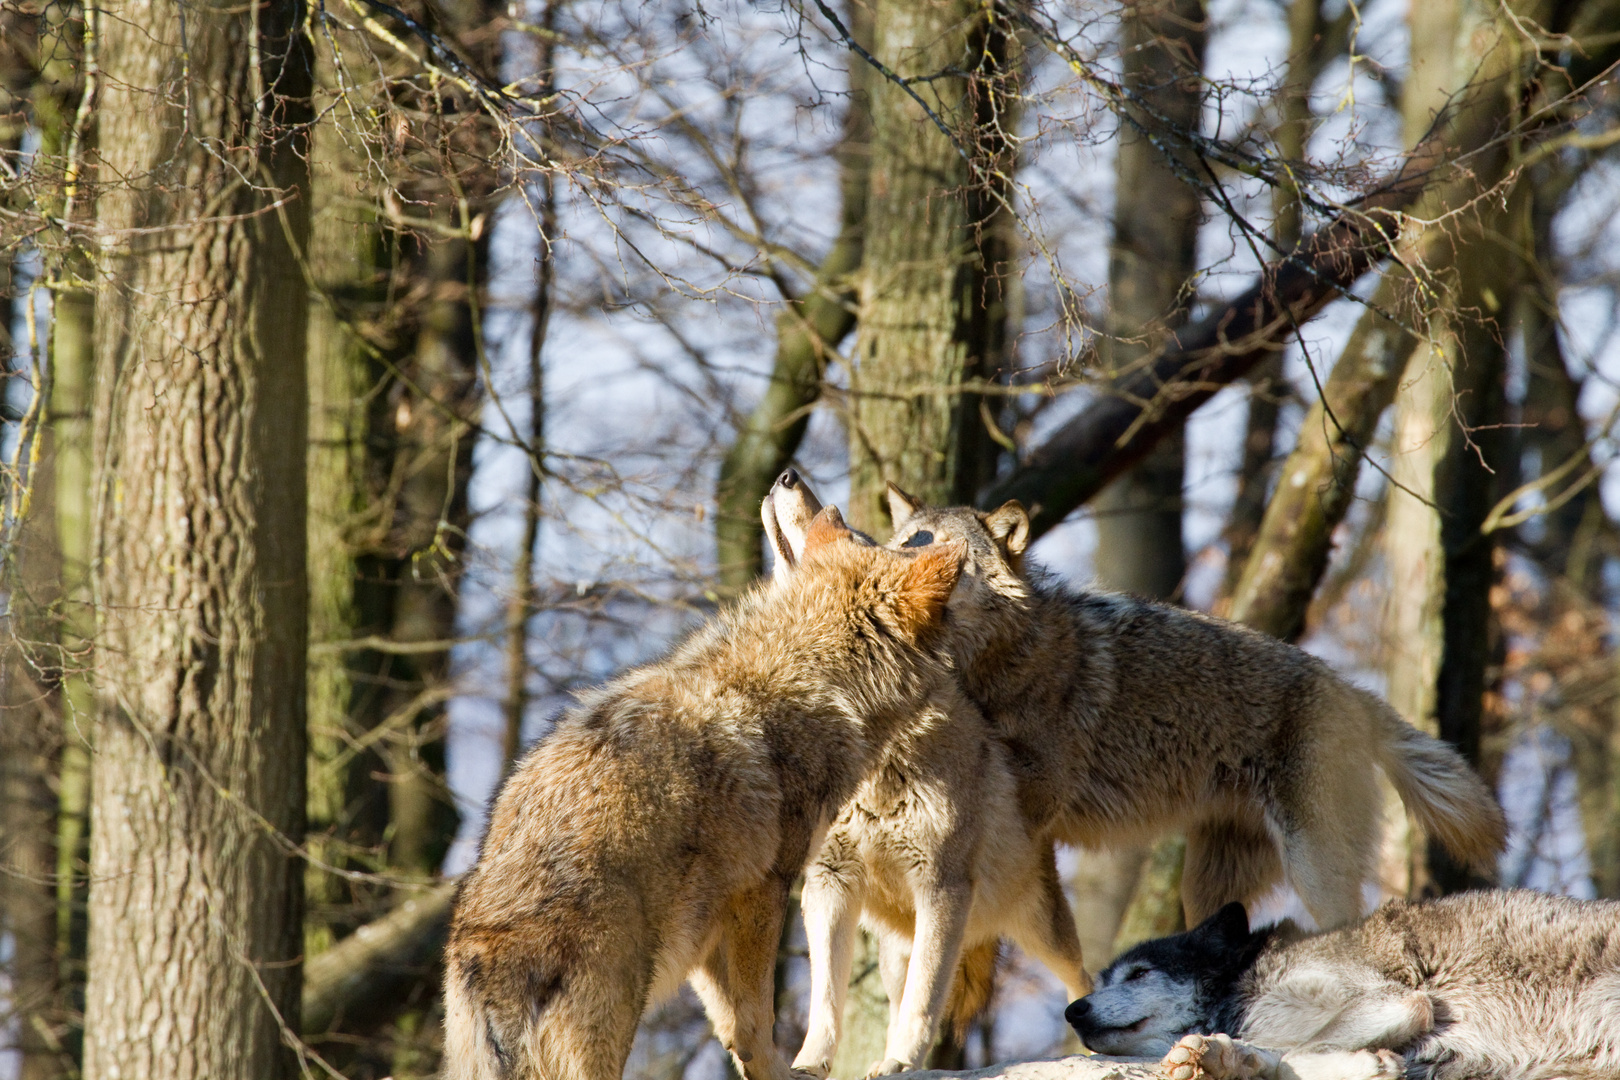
(654, 834)
(1121, 719)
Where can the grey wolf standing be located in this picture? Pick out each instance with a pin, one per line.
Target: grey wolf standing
(1477, 986)
(1125, 718)
(934, 856)
(654, 835)
(1122, 718)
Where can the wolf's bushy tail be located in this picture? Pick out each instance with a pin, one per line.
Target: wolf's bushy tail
(1439, 788)
(497, 1039)
(468, 1052)
(970, 992)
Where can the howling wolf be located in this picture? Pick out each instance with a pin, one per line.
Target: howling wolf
(654, 835)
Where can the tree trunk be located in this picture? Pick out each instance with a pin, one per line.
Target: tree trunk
(201, 415)
(1447, 438)
(1318, 480)
(29, 733)
(73, 363)
(433, 466)
(433, 420)
(1152, 262)
(351, 335)
(808, 330)
(932, 311)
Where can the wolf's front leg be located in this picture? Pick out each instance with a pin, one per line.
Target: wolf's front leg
(834, 888)
(942, 914)
(1221, 1057)
(735, 981)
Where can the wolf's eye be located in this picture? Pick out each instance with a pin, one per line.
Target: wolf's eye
(920, 538)
(1134, 974)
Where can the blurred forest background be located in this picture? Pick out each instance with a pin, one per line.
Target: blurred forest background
(378, 375)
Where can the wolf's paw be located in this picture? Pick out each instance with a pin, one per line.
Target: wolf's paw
(887, 1067)
(1215, 1057)
(810, 1070)
(1385, 1065)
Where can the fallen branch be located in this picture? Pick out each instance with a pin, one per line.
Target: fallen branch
(370, 971)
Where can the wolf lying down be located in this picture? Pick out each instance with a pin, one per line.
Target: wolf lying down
(1477, 986)
(654, 835)
(1105, 720)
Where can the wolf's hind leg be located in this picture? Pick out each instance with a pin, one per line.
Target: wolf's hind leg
(1328, 809)
(1048, 934)
(942, 915)
(1228, 858)
(831, 903)
(735, 981)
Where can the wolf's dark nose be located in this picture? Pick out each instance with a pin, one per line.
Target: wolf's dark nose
(1077, 1013)
(789, 478)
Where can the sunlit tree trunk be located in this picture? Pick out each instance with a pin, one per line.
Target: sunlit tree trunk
(349, 264)
(1447, 435)
(932, 311)
(72, 377)
(198, 781)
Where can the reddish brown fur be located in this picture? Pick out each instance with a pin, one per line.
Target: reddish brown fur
(654, 834)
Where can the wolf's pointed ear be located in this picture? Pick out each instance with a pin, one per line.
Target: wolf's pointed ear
(1230, 925)
(927, 586)
(827, 527)
(1009, 526)
(901, 505)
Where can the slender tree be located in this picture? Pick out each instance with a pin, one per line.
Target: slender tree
(808, 331)
(932, 311)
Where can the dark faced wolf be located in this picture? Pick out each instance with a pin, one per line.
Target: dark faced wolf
(1478, 986)
(654, 835)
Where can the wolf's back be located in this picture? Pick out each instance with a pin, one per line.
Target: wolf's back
(1446, 796)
